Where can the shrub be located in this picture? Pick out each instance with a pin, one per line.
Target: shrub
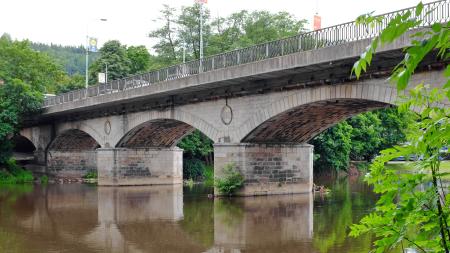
(230, 181)
(91, 175)
(15, 174)
(193, 168)
(209, 175)
(44, 180)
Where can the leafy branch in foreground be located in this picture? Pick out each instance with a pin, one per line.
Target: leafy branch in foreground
(413, 209)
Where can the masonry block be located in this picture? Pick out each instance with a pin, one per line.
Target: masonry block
(268, 168)
(139, 166)
(72, 164)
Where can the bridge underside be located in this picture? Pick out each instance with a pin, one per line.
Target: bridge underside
(301, 124)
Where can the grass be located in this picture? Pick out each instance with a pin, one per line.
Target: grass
(14, 174)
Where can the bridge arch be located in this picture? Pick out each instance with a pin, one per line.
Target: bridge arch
(79, 128)
(23, 144)
(73, 139)
(162, 129)
(72, 154)
(299, 117)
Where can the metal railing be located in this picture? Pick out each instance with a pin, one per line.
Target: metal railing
(438, 11)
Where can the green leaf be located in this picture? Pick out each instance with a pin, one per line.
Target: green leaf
(419, 8)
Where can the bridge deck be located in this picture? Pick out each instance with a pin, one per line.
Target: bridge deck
(323, 56)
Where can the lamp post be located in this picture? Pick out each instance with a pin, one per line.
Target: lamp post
(87, 49)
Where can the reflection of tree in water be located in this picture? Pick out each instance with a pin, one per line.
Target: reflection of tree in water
(198, 221)
(349, 200)
(228, 211)
(9, 194)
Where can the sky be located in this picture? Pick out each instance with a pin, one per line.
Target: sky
(129, 21)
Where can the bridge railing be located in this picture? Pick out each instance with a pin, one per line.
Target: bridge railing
(438, 11)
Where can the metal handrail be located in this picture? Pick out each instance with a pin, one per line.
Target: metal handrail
(438, 11)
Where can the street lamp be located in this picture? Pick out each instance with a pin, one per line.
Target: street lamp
(87, 48)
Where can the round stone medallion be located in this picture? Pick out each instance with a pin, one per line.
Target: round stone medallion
(226, 115)
(107, 127)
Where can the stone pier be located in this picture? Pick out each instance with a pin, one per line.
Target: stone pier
(268, 168)
(71, 164)
(139, 166)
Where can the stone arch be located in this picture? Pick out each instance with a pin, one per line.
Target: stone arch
(73, 139)
(22, 144)
(82, 127)
(300, 116)
(162, 129)
(72, 154)
(156, 133)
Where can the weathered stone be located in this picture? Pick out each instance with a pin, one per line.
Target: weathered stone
(294, 176)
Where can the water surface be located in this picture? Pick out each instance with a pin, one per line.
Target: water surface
(84, 218)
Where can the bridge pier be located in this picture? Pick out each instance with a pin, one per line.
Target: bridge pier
(71, 163)
(139, 166)
(268, 168)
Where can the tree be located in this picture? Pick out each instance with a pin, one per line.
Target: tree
(181, 31)
(332, 148)
(19, 61)
(167, 45)
(406, 216)
(114, 55)
(139, 59)
(365, 136)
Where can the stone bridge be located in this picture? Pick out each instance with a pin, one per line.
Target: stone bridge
(259, 105)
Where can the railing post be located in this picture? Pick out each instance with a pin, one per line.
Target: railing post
(238, 57)
(212, 63)
(267, 50)
(282, 47)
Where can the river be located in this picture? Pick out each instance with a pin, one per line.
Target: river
(86, 218)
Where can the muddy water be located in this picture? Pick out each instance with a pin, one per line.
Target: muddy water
(83, 218)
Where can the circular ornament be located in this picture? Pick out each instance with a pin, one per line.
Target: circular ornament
(107, 127)
(226, 115)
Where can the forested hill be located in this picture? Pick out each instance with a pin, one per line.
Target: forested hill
(70, 57)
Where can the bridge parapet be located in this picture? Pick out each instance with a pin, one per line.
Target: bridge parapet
(332, 36)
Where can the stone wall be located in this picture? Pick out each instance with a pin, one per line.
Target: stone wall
(71, 163)
(139, 166)
(268, 169)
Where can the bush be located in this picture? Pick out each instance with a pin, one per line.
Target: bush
(44, 180)
(15, 174)
(91, 175)
(230, 181)
(193, 168)
(209, 175)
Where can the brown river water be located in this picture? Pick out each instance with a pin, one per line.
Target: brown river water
(85, 218)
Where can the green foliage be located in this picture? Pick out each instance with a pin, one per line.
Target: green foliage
(408, 214)
(368, 133)
(14, 174)
(73, 82)
(73, 59)
(208, 176)
(332, 148)
(122, 61)
(17, 99)
(230, 180)
(24, 75)
(180, 31)
(193, 168)
(190, 183)
(43, 179)
(196, 144)
(197, 155)
(19, 62)
(91, 175)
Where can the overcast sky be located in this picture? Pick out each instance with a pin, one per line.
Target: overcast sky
(129, 21)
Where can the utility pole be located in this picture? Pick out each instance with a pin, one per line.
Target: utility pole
(87, 49)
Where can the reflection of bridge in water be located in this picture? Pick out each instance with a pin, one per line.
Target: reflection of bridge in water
(151, 219)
